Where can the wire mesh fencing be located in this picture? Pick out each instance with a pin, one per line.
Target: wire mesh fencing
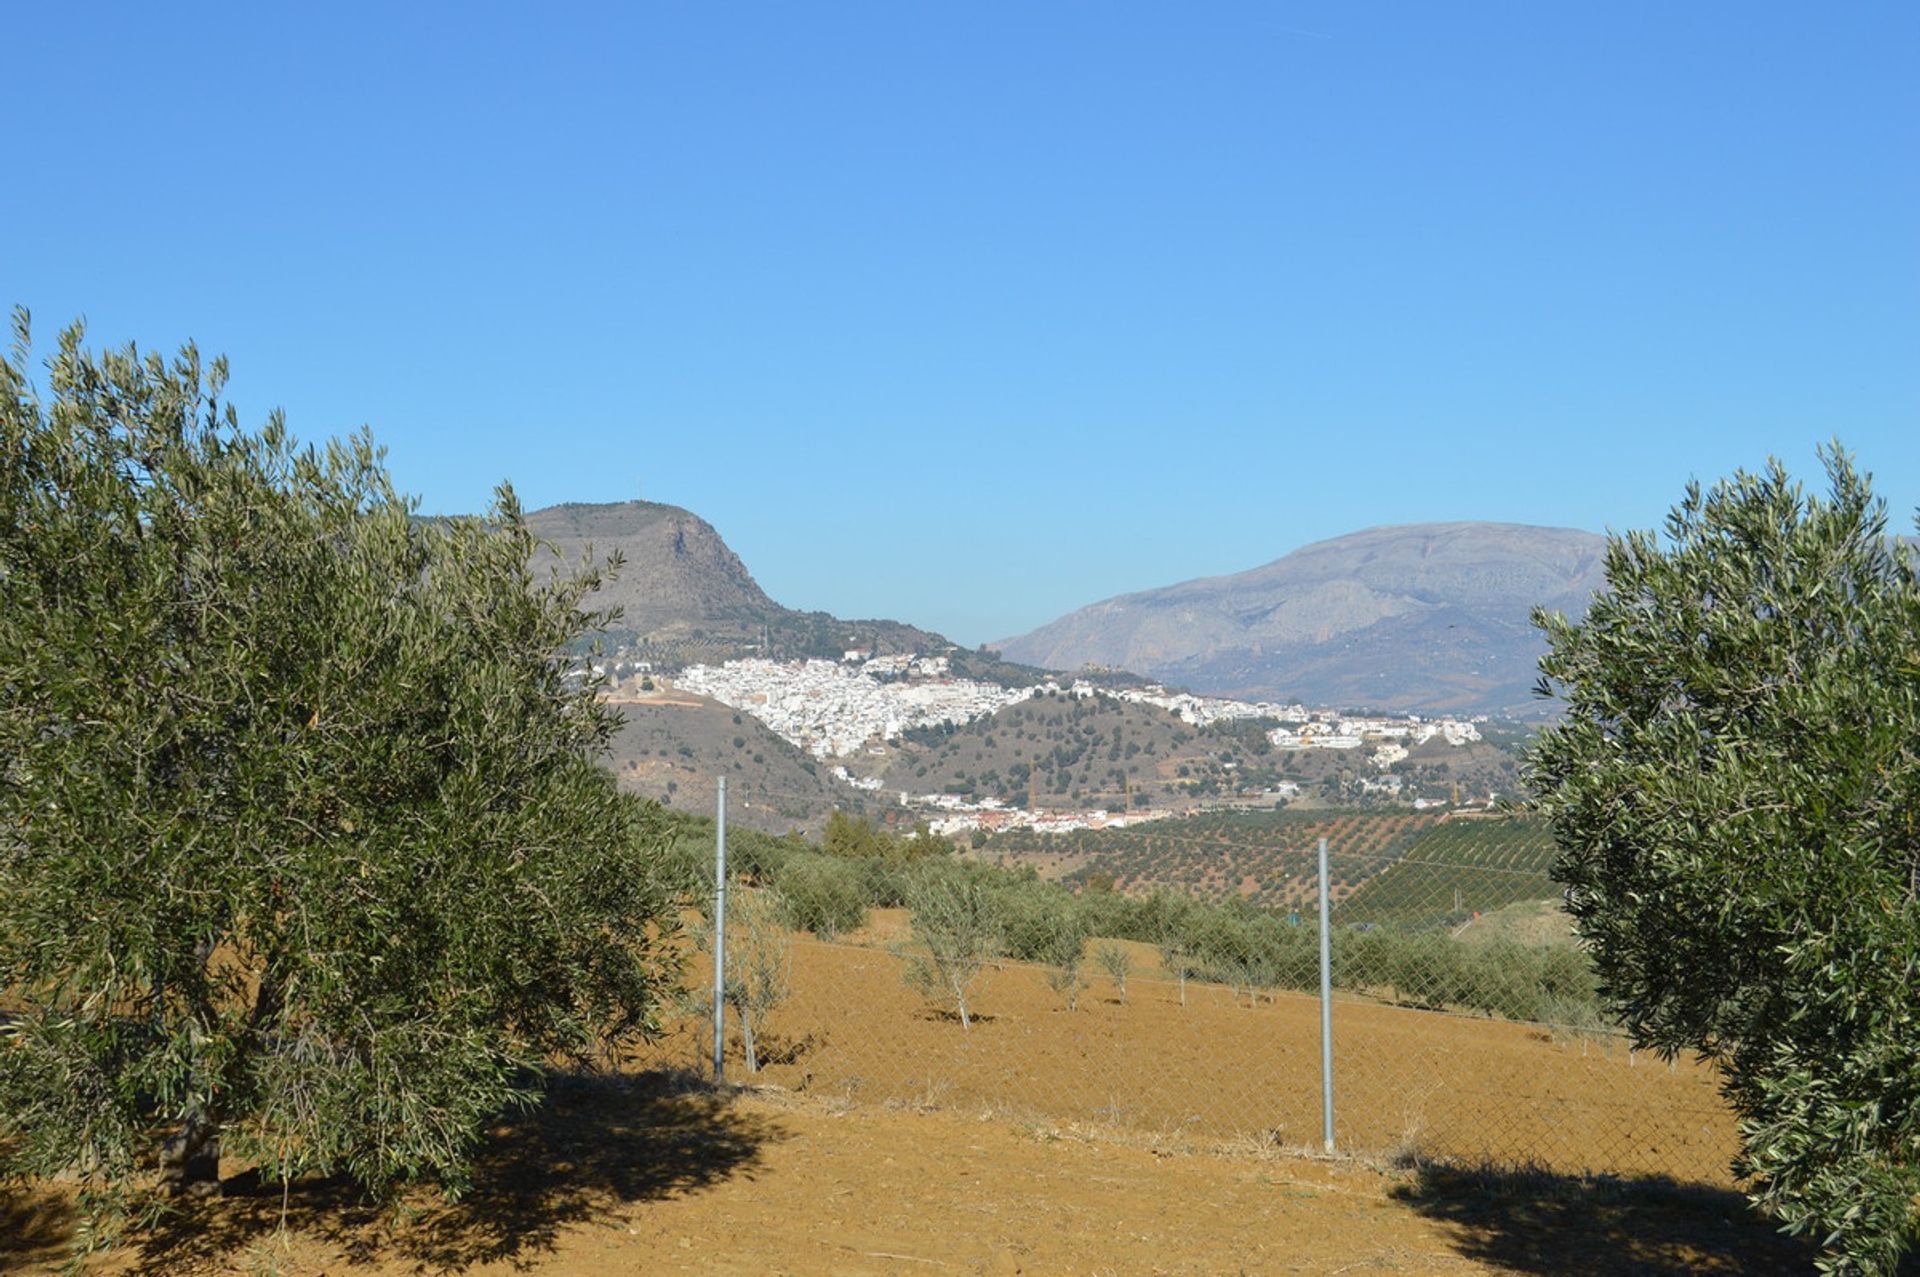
(1468, 1007)
(1465, 1022)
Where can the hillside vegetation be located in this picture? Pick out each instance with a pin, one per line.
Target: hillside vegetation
(1416, 869)
(1059, 752)
(673, 746)
(1068, 752)
(1457, 869)
(831, 886)
(1267, 858)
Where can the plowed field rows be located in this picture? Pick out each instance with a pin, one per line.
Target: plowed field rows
(1407, 1081)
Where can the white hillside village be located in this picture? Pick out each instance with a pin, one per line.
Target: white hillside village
(837, 709)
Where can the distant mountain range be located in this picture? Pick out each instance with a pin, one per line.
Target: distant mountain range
(1421, 618)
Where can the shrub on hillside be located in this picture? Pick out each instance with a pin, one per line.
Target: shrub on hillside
(1118, 964)
(1035, 920)
(1252, 950)
(759, 965)
(760, 857)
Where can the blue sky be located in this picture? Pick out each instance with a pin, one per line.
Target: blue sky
(972, 314)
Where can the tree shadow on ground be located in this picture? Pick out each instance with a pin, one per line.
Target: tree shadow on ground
(35, 1228)
(946, 1015)
(598, 1142)
(1537, 1221)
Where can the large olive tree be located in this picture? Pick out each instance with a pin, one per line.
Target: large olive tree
(1734, 788)
(304, 853)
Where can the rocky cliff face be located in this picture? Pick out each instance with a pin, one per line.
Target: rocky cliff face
(686, 597)
(1424, 617)
(678, 574)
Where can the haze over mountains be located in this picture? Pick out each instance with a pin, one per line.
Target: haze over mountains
(1421, 617)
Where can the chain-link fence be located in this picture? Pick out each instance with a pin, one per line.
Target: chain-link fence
(1465, 1022)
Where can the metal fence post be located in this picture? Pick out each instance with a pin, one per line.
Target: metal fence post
(1326, 1009)
(720, 933)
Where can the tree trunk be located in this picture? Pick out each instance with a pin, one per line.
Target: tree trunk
(190, 1158)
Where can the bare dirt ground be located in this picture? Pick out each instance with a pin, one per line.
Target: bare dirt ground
(635, 1175)
(1137, 1136)
(1408, 1082)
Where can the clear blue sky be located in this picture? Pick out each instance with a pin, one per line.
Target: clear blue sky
(971, 314)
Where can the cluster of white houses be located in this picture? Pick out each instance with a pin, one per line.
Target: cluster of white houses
(1392, 738)
(836, 709)
(951, 814)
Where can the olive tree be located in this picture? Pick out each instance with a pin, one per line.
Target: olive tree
(759, 962)
(956, 930)
(305, 855)
(1733, 789)
(1118, 963)
(1169, 921)
(1064, 951)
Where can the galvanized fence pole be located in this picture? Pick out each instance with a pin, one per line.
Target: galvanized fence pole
(720, 933)
(1326, 1009)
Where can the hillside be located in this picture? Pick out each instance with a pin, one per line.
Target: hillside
(1265, 857)
(1054, 751)
(1406, 868)
(674, 745)
(1421, 618)
(1460, 869)
(885, 1141)
(678, 576)
(1066, 752)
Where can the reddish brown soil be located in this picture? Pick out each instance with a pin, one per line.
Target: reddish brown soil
(627, 1177)
(1136, 1137)
(1407, 1082)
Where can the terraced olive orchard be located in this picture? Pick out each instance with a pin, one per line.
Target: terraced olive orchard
(1406, 868)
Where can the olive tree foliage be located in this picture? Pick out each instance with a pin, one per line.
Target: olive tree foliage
(759, 962)
(1119, 965)
(1168, 921)
(1733, 789)
(304, 852)
(1064, 950)
(956, 930)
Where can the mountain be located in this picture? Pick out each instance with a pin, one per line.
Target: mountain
(685, 596)
(678, 575)
(1420, 618)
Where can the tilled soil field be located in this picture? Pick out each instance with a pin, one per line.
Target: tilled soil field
(1134, 1135)
(1408, 1083)
(633, 1175)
